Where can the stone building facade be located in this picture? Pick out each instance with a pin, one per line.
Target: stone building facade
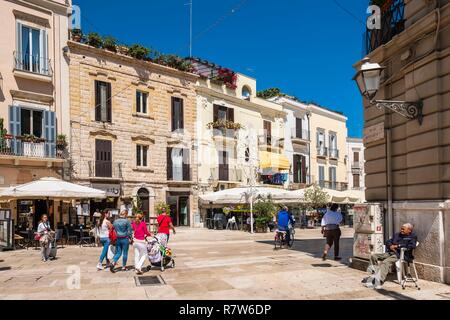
(132, 128)
(412, 158)
(34, 100)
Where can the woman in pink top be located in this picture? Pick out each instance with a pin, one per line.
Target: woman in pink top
(140, 232)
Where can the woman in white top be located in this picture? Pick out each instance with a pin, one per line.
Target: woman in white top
(104, 226)
(44, 231)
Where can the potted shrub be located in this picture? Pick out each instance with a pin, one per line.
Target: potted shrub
(315, 199)
(262, 224)
(122, 49)
(109, 43)
(265, 210)
(138, 52)
(77, 35)
(94, 40)
(61, 143)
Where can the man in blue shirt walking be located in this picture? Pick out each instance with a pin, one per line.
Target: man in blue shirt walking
(284, 218)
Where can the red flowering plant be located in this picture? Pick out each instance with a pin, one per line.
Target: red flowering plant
(227, 76)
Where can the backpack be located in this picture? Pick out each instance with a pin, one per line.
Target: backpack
(112, 236)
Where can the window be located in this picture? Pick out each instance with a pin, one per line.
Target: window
(141, 102)
(102, 101)
(299, 128)
(299, 168)
(332, 174)
(31, 49)
(268, 132)
(141, 155)
(246, 93)
(356, 181)
(247, 154)
(355, 156)
(222, 113)
(322, 176)
(178, 164)
(31, 122)
(177, 114)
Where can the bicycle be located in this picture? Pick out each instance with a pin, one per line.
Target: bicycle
(280, 238)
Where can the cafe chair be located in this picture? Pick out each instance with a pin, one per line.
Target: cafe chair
(85, 239)
(403, 269)
(232, 224)
(59, 237)
(70, 237)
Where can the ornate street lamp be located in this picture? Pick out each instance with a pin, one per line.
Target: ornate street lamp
(368, 81)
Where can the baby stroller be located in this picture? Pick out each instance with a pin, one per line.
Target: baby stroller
(159, 254)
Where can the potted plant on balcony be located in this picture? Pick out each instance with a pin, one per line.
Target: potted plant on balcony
(138, 52)
(225, 126)
(61, 144)
(77, 35)
(94, 40)
(122, 49)
(109, 43)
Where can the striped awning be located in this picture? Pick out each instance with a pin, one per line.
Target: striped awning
(270, 160)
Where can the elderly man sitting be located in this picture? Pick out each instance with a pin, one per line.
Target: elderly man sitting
(406, 238)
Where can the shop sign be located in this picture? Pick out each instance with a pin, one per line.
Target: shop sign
(112, 190)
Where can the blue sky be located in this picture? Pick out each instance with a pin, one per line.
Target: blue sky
(306, 48)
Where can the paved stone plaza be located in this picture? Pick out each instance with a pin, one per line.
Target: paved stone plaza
(209, 265)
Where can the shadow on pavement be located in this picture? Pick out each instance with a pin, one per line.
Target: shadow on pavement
(5, 268)
(392, 294)
(314, 247)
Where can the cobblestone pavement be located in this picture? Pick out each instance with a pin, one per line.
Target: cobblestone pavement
(209, 265)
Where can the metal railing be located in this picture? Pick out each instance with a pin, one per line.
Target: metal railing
(334, 153)
(270, 141)
(357, 165)
(16, 147)
(224, 132)
(221, 174)
(32, 63)
(105, 169)
(322, 151)
(182, 173)
(333, 185)
(300, 134)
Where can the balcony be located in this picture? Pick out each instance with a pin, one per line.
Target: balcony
(270, 143)
(180, 174)
(301, 137)
(20, 147)
(32, 67)
(225, 173)
(392, 23)
(224, 135)
(105, 170)
(334, 185)
(334, 154)
(322, 152)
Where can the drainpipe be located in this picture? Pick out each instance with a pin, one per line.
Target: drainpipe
(390, 216)
(308, 115)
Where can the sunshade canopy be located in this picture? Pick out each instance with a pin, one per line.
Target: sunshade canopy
(270, 160)
(243, 195)
(51, 188)
(340, 197)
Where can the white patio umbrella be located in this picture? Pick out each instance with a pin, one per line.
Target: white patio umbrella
(341, 197)
(242, 195)
(51, 188)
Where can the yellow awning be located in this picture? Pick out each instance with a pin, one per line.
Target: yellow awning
(270, 160)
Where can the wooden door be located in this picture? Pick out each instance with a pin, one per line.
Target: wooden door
(103, 158)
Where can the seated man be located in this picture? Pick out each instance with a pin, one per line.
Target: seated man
(405, 239)
(284, 219)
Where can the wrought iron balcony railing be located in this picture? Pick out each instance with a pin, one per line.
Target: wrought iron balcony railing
(105, 169)
(300, 134)
(32, 63)
(17, 147)
(226, 173)
(334, 153)
(333, 185)
(322, 151)
(392, 23)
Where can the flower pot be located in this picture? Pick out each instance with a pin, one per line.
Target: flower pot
(76, 38)
(122, 49)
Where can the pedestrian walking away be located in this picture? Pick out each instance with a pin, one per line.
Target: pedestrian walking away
(140, 233)
(165, 224)
(331, 231)
(104, 225)
(124, 233)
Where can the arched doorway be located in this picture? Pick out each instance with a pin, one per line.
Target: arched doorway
(144, 200)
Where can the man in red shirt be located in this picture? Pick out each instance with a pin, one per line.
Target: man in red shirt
(165, 223)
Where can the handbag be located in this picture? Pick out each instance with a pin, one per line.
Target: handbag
(37, 236)
(112, 235)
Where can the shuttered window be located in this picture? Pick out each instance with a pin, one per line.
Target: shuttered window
(141, 155)
(177, 114)
(103, 101)
(141, 102)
